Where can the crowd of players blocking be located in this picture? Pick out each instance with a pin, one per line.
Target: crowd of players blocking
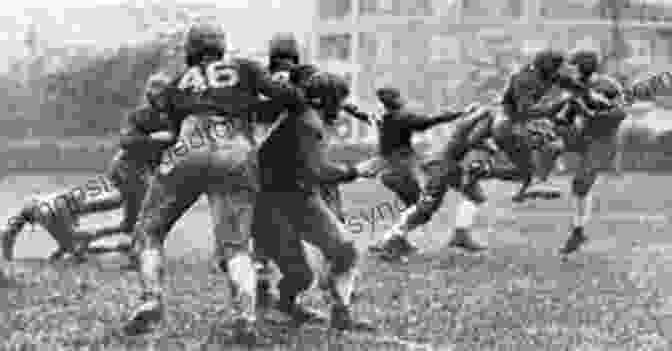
(282, 191)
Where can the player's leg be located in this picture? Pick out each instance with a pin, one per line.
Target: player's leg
(232, 188)
(133, 191)
(511, 142)
(439, 171)
(599, 154)
(320, 227)
(231, 214)
(403, 177)
(471, 202)
(168, 197)
(333, 197)
(277, 240)
(13, 229)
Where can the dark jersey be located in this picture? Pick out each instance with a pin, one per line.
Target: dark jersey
(268, 111)
(397, 128)
(526, 89)
(135, 134)
(295, 156)
(230, 86)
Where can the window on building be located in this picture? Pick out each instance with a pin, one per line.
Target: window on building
(332, 9)
(385, 47)
(642, 51)
(416, 7)
(444, 48)
(573, 9)
(386, 6)
(665, 42)
(368, 46)
(381, 7)
(367, 7)
(335, 47)
(492, 8)
(444, 7)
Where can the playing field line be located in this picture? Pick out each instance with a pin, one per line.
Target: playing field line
(611, 216)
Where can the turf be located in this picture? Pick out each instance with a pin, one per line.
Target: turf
(518, 296)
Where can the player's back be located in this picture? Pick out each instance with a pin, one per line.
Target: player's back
(284, 156)
(231, 83)
(394, 133)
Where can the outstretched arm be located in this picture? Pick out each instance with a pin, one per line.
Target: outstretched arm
(354, 111)
(420, 122)
(134, 135)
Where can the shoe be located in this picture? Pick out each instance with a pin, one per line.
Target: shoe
(341, 320)
(145, 317)
(245, 330)
(395, 249)
(301, 315)
(463, 240)
(575, 241)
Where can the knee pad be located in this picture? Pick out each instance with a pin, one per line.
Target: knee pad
(345, 259)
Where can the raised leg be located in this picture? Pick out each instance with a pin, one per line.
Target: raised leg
(598, 154)
(467, 211)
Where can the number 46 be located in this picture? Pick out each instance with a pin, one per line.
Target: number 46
(218, 74)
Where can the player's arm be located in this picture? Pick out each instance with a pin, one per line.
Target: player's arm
(354, 111)
(134, 131)
(132, 135)
(419, 122)
(165, 134)
(283, 93)
(313, 151)
(524, 94)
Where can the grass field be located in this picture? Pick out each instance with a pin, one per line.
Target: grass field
(519, 296)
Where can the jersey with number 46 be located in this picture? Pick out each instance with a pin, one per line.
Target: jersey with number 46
(231, 86)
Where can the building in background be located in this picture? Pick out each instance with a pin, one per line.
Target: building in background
(452, 52)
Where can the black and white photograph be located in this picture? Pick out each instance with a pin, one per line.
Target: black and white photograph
(280, 175)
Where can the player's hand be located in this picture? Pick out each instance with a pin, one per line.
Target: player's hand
(472, 107)
(163, 136)
(367, 169)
